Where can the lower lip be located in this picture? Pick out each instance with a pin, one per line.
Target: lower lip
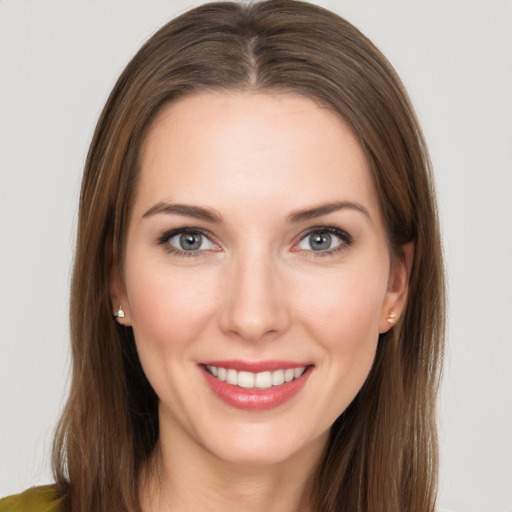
(255, 399)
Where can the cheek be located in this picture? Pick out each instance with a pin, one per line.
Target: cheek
(343, 317)
(346, 304)
(168, 307)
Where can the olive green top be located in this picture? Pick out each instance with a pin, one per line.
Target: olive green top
(35, 499)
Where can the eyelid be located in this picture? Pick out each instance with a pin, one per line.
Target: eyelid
(346, 240)
(176, 241)
(164, 238)
(345, 237)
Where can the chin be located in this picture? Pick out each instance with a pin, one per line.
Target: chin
(256, 446)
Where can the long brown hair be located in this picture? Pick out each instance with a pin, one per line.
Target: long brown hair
(382, 451)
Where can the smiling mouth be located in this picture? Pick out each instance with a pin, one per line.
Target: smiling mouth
(260, 380)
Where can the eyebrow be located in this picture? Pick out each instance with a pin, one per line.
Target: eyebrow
(324, 209)
(185, 210)
(207, 214)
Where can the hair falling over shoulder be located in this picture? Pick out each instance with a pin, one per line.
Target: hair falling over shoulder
(382, 451)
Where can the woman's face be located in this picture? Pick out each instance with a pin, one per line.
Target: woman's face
(257, 273)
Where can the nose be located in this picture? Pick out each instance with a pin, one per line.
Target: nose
(256, 303)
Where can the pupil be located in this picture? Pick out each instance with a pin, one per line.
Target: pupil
(320, 241)
(190, 241)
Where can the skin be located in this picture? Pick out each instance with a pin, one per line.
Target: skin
(255, 290)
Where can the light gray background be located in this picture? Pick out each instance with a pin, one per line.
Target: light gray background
(59, 60)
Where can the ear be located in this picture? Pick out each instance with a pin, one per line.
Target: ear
(119, 298)
(398, 287)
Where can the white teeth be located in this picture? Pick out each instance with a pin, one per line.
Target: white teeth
(277, 377)
(232, 377)
(245, 379)
(289, 374)
(262, 380)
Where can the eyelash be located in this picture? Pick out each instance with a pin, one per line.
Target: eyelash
(346, 240)
(168, 235)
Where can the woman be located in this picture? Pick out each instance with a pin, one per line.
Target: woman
(257, 215)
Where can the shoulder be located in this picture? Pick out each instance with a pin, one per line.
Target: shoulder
(35, 499)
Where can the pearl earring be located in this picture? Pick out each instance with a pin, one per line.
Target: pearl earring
(120, 313)
(391, 319)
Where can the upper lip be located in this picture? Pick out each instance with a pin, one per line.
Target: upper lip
(256, 366)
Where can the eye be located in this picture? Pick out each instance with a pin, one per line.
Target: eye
(190, 241)
(325, 240)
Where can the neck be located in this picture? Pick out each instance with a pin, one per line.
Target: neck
(185, 477)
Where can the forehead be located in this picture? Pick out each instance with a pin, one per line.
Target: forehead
(242, 147)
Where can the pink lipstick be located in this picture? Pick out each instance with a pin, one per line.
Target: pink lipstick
(255, 386)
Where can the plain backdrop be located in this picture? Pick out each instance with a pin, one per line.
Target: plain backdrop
(58, 61)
